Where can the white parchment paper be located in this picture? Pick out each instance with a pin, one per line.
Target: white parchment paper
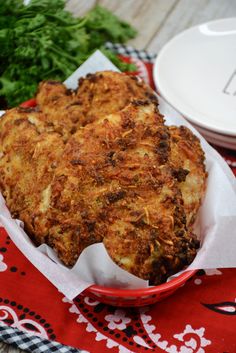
(216, 224)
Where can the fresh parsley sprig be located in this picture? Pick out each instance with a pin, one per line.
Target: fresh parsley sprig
(43, 41)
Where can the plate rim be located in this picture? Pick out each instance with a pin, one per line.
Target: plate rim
(216, 139)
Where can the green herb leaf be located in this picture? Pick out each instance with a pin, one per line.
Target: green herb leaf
(44, 41)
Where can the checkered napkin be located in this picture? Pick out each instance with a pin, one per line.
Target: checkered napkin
(35, 344)
(131, 52)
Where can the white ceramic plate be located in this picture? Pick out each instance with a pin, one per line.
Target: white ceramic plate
(218, 139)
(196, 73)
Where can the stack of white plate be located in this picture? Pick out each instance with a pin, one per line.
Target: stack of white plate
(196, 73)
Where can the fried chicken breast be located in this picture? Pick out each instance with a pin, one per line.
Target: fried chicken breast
(108, 92)
(98, 94)
(114, 184)
(99, 165)
(187, 158)
(28, 157)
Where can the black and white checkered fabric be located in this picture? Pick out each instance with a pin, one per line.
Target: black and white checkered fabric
(31, 343)
(130, 51)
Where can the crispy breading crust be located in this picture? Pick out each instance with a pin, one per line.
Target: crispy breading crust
(29, 155)
(114, 185)
(188, 158)
(98, 164)
(98, 94)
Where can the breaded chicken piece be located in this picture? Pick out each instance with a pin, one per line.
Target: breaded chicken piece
(187, 158)
(107, 92)
(99, 165)
(98, 94)
(114, 184)
(28, 157)
(57, 104)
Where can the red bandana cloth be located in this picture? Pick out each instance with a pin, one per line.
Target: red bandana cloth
(200, 317)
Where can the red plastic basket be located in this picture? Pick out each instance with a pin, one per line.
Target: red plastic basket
(130, 297)
(137, 297)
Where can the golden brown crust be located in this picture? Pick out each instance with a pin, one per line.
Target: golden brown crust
(188, 158)
(114, 185)
(98, 164)
(29, 155)
(98, 94)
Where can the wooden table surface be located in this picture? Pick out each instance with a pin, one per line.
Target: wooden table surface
(157, 22)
